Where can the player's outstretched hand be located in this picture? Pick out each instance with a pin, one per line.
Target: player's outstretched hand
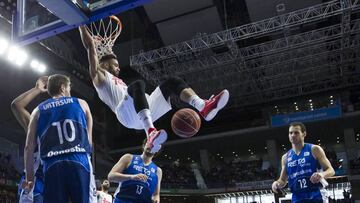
(41, 83)
(140, 177)
(316, 177)
(275, 186)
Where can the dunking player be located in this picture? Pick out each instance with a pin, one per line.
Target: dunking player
(133, 108)
(139, 178)
(18, 107)
(301, 167)
(103, 196)
(63, 124)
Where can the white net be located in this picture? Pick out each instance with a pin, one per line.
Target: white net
(105, 34)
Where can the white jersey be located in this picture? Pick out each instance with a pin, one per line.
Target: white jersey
(104, 197)
(112, 92)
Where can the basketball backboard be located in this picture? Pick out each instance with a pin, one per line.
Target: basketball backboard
(35, 20)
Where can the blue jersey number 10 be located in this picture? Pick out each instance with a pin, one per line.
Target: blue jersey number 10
(63, 132)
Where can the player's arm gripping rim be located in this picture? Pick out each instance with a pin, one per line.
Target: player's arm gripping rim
(29, 149)
(156, 196)
(281, 182)
(320, 156)
(97, 74)
(19, 103)
(116, 174)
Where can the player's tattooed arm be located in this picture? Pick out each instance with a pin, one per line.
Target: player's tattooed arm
(281, 182)
(97, 74)
(156, 196)
(18, 105)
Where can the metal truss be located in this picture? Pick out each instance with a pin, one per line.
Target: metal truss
(274, 76)
(277, 69)
(276, 23)
(278, 81)
(319, 60)
(192, 63)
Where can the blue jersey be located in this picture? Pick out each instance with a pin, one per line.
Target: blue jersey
(62, 130)
(299, 169)
(138, 190)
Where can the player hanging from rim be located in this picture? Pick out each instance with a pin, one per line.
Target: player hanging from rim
(133, 108)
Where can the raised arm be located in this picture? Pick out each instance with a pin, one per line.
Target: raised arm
(89, 120)
(328, 170)
(97, 74)
(29, 148)
(281, 182)
(156, 196)
(116, 174)
(18, 105)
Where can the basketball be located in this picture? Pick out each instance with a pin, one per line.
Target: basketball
(185, 123)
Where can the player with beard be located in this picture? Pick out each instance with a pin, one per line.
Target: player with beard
(133, 107)
(305, 167)
(103, 195)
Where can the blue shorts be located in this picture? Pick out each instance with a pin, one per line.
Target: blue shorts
(67, 180)
(38, 189)
(117, 200)
(313, 196)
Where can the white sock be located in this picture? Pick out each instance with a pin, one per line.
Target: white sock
(197, 102)
(145, 117)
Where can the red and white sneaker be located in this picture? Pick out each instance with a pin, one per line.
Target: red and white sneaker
(214, 104)
(156, 139)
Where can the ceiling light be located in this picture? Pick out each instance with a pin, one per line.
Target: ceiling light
(34, 64)
(21, 58)
(41, 68)
(3, 45)
(13, 51)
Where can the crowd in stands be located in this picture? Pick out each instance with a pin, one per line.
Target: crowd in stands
(335, 163)
(8, 179)
(177, 175)
(355, 166)
(228, 173)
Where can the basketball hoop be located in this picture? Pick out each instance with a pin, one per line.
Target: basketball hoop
(104, 35)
